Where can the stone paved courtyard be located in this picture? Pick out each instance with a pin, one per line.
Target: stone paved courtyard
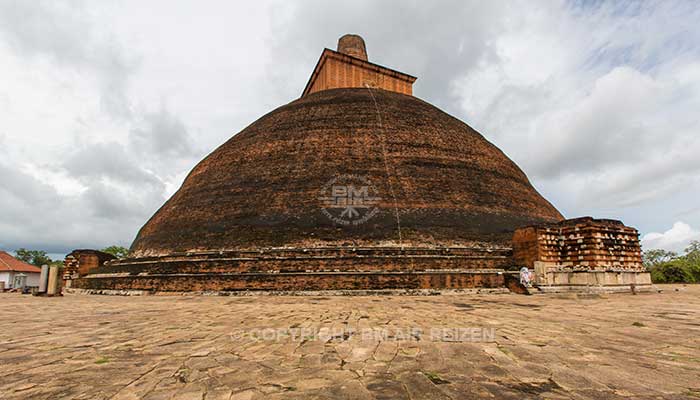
(198, 347)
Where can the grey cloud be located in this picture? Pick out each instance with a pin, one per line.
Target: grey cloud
(162, 134)
(19, 194)
(107, 160)
(34, 215)
(602, 124)
(436, 41)
(113, 204)
(124, 181)
(627, 140)
(62, 32)
(605, 119)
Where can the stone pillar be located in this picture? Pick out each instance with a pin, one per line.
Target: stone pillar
(43, 278)
(541, 277)
(53, 287)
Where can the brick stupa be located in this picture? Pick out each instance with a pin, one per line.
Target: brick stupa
(357, 185)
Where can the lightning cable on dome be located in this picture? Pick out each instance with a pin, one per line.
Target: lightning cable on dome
(382, 141)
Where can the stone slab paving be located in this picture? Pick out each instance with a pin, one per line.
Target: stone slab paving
(503, 346)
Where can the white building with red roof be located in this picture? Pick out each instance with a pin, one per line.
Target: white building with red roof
(13, 272)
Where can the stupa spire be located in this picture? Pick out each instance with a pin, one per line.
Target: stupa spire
(352, 45)
(348, 67)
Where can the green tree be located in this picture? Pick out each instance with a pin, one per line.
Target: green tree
(117, 251)
(692, 252)
(654, 257)
(675, 271)
(692, 259)
(34, 257)
(667, 267)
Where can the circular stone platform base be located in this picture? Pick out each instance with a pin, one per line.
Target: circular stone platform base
(292, 270)
(309, 293)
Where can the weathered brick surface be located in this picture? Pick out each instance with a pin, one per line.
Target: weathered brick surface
(260, 189)
(587, 243)
(316, 259)
(348, 68)
(295, 281)
(306, 269)
(81, 262)
(352, 45)
(336, 70)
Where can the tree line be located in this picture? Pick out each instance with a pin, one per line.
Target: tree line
(670, 267)
(40, 257)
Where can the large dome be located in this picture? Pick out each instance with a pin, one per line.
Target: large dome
(436, 181)
(355, 186)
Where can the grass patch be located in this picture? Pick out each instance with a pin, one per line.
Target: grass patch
(102, 360)
(435, 378)
(182, 374)
(639, 324)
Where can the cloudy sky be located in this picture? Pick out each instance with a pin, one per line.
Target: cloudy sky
(106, 105)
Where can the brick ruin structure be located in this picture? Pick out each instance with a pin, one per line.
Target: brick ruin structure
(81, 262)
(357, 185)
(582, 252)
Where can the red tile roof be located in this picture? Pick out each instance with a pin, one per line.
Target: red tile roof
(9, 263)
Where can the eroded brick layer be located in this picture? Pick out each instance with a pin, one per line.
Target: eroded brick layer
(296, 281)
(586, 243)
(340, 268)
(316, 260)
(81, 262)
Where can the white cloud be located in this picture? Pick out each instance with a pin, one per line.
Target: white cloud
(83, 164)
(675, 239)
(598, 105)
